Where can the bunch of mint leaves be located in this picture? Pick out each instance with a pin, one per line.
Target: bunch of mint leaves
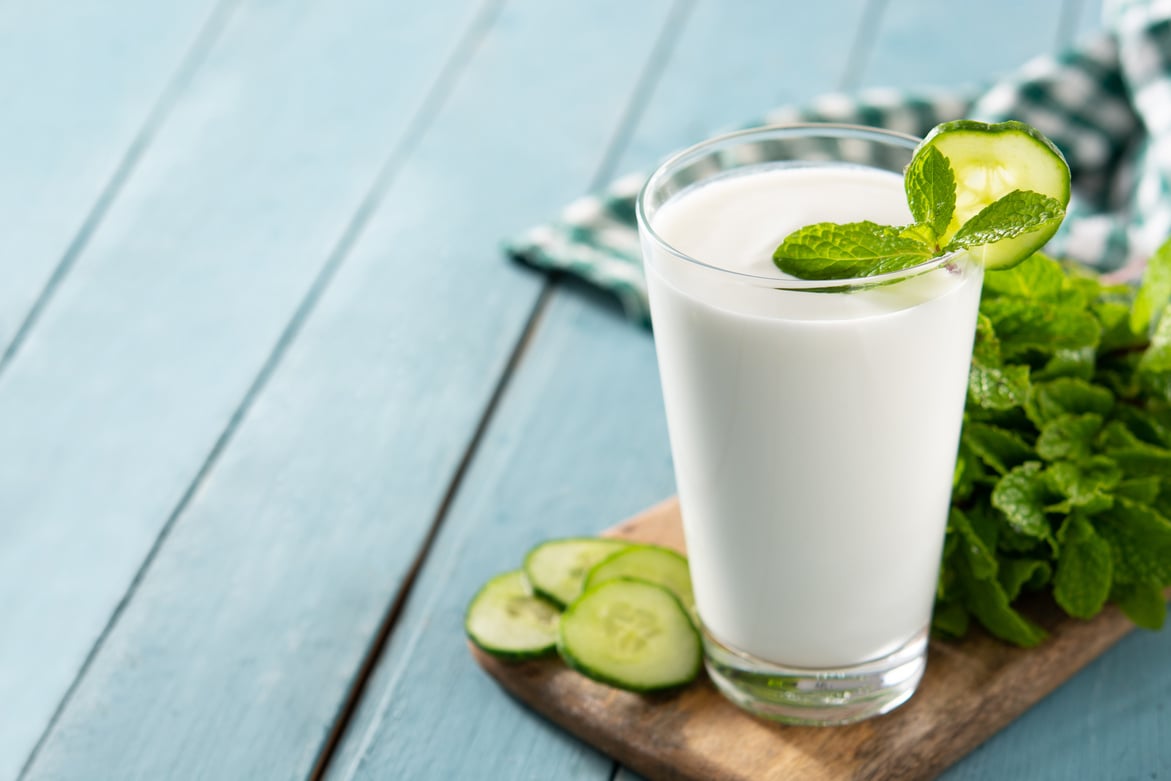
(830, 250)
(1063, 481)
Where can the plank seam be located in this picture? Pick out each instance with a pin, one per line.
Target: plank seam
(212, 28)
(398, 604)
(208, 34)
(640, 97)
(432, 102)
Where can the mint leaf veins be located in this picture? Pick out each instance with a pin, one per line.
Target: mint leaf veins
(830, 250)
(1015, 214)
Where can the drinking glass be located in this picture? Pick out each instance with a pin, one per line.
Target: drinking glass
(814, 426)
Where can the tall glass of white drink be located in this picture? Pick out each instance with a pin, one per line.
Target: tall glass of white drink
(814, 424)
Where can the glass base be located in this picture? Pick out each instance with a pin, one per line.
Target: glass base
(794, 695)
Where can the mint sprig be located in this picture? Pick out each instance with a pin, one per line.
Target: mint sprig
(832, 251)
(1061, 482)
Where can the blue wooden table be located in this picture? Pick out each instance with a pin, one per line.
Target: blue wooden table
(272, 405)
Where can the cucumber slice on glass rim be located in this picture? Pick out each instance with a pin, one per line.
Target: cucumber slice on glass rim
(991, 161)
(508, 620)
(631, 634)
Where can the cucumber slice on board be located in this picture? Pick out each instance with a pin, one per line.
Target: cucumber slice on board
(507, 619)
(631, 634)
(651, 563)
(989, 162)
(558, 568)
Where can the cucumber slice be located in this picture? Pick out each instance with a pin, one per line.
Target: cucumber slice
(990, 161)
(506, 619)
(651, 563)
(557, 569)
(631, 634)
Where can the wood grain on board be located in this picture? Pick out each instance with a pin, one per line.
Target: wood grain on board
(970, 690)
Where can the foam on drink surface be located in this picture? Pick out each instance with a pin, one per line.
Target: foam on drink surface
(737, 220)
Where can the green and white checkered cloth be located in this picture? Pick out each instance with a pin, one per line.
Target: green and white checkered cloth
(1106, 104)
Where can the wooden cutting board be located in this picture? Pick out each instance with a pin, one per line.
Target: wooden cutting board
(969, 691)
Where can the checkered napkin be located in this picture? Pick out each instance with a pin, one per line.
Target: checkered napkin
(1106, 104)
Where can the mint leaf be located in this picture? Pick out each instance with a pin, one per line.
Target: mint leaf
(980, 555)
(1141, 540)
(967, 473)
(1155, 291)
(1116, 435)
(1078, 363)
(1135, 457)
(1144, 425)
(1015, 214)
(1116, 326)
(970, 578)
(931, 190)
(1085, 484)
(1038, 277)
(1016, 575)
(986, 348)
(1144, 490)
(991, 384)
(1084, 288)
(988, 601)
(1085, 569)
(1154, 368)
(1000, 448)
(1157, 357)
(998, 388)
(951, 619)
(828, 250)
(1025, 325)
(1068, 396)
(1141, 462)
(1143, 603)
(1069, 436)
(1022, 495)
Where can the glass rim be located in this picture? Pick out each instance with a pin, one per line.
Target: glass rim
(724, 140)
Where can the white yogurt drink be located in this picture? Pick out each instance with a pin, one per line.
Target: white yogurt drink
(813, 425)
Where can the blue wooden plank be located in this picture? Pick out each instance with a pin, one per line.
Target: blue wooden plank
(709, 87)
(925, 43)
(576, 445)
(1109, 722)
(119, 394)
(79, 85)
(245, 633)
